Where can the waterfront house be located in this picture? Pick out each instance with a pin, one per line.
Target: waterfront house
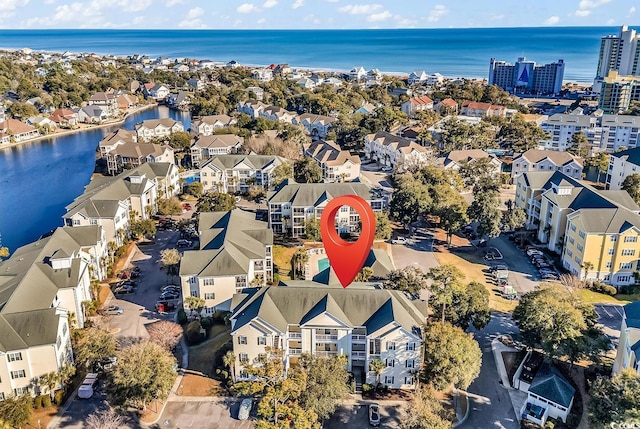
(157, 91)
(157, 128)
(17, 131)
(416, 104)
(180, 100)
(235, 252)
(65, 118)
(235, 173)
(337, 165)
(130, 155)
(206, 146)
(394, 151)
(126, 101)
(116, 138)
(324, 321)
(417, 77)
(42, 122)
(294, 203)
(206, 125)
(316, 125)
(107, 101)
(357, 73)
(93, 114)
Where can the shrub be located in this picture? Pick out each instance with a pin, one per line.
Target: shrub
(46, 401)
(219, 317)
(37, 402)
(182, 317)
(194, 336)
(206, 322)
(600, 287)
(57, 398)
(367, 388)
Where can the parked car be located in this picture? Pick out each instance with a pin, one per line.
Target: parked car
(374, 414)
(186, 206)
(85, 391)
(399, 240)
(532, 251)
(245, 409)
(106, 364)
(499, 267)
(112, 310)
(169, 295)
(123, 289)
(171, 288)
(164, 306)
(387, 168)
(184, 243)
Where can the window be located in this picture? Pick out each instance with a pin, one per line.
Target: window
(580, 247)
(614, 238)
(408, 380)
(243, 357)
(569, 252)
(1, 396)
(242, 339)
(582, 234)
(18, 374)
(631, 239)
(58, 342)
(209, 310)
(609, 264)
(262, 341)
(571, 240)
(389, 379)
(611, 251)
(12, 357)
(410, 363)
(390, 362)
(344, 209)
(628, 252)
(76, 222)
(411, 346)
(93, 221)
(64, 329)
(391, 345)
(21, 391)
(626, 265)
(194, 293)
(578, 260)
(573, 227)
(208, 281)
(209, 295)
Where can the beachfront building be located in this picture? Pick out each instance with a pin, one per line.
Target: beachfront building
(337, 165)
(357, 73)
(235, 252)
(322, 321)
(628, 354)
(316, 125)
(594, 231)
(114, 139)
(157, 128)
(207, 146)
(416, 104)
(618, 53)
(621, 165)
(262, 75)
(394, 151)
(294, 203)
(105, 100)
(14, 131)
(417, 77)
(527, 76)
(617, 92)
(111, 201)
(206, 125)
(236, 173)
(547, 160)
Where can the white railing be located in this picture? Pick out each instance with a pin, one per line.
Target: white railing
(325, 352)
(295, 352)
(356, 337)
(326, 337)
(295, 334)
(358, 354)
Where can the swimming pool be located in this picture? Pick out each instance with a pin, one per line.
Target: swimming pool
(323, 264)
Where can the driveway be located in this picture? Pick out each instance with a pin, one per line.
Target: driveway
(523, 276)
(207, 413)
(489, 402)
(417, 252)
(357, 416)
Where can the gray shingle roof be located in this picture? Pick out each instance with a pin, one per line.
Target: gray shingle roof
(629, 155)
(557, 157)
(257, 162)
(28, 329)
(313, 194)
(550, 384)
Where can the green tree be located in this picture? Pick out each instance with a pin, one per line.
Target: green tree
(519, 134)
(23, 110)
(307, 170)
(364, 275)
(451, 357)
(144, 372)
(469, 304)
(476, 171)
(169, 206)
(180, 140)
(143, 228)
(229, 360)
(312, 229)
(631, 184)
(4, 252)
(327, 383)
(425, 412)
(484, 210)
(195, 189)
(281, 173)
(383, 226)
(377, 366)
(194, 303)
(514, 217)
(410, 279)
(615, 399)
(410, 200)
(298, 260)
(51, 380)
(601, 162)
(170, 258)
(215, 202)
(93, 345)
(579, 145)
(446, 282)
(16, 410)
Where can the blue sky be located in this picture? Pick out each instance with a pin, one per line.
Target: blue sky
(313, 14)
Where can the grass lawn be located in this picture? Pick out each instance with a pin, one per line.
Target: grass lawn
(623, 298)
(198, 385)
(201, 356)
(282, 259)
(600, 298)
(42, 416)
(105, 290)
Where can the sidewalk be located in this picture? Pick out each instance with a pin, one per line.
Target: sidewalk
(518, 398)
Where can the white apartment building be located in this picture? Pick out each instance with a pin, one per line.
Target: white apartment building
(207, 146)
(323, 321)
(394, 151)
(621, 165)
(252, 108)
(236, 173)
(628, 354)
(316, 125)
(235, 252)
(107, 101)
(157, 128)
(293, 204)
(337, 165)
(206, 125)
(619, 131)
(560, 128)
(547, 160)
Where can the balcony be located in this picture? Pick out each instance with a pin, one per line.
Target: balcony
(358, 355)
(295, 352)
(323, 337)
(295, 335)
(358, 338)
(325, 352)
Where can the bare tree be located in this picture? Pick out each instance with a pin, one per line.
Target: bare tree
(571, 281)
(105, 419)
(165, 333)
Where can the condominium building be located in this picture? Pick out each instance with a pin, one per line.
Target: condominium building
(337, 165)
(294, 203)
(628, 354)
(157, 128)
(547, 160)
(206, 125)
(394, 151)
(617, 92)
(480, 110)
(363, 324)
(416, 104)
(594, 231)
(235, 252)
(207, 146)
(316, 125)
(560, 129)
(236, 173)
(619, 53)
(621, 165)
(526, 76)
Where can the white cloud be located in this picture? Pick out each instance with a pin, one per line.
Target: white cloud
(437, 12)
(124, 5)
(194, 13)
(632, 10)
(297, 4)
(585, 6)
(495, 17)
(332, 1)
(585, 12)
(312, 18)
(377, 17)
(138, 20)
(192, 23)
(246, 8)
(269, 4)
(552, 20)
(360, 9)
(7, 7)
(611, 21)
(170, 3)
(261, 21)
(49, 1)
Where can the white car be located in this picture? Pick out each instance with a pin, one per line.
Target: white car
(387, 168)
(374, 414)
(245, 409)
(399, 240)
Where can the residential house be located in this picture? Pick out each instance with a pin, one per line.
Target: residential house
(181, 68)
(621, 165)
(457, 158)
(283, 69)
(547, 160)
(446, 106)
(157, 91)
(12, 130)
(333, 81)
(357, 73)
(235, 252)
(366, 109)
(262, 75)
(131, 155)
(316, 125)
(323, 321)
(478, 109)
(126, 101)
(294, 203)
(306, 83)
(549, 393)
(206, 125)
(116, 138)
(435, 79)
(65, 118)
(235, 173)
(275, 113)
(337, 165)
(180, 100)
(374, 77)
(207, 146)
(105, 100)
(594, 231)
(417, 77)
(257, 92)
(394, 151)
(416, 104)
(109, 201)
(42, 122)
(157, 128)
(196, 84)
(93, 114)
(252, 108)
(628, 355)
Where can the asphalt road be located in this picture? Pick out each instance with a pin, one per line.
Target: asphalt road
(489, 402)
(357, 416)
(523, 276)
(216, 413)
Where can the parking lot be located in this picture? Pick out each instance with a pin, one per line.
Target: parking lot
(610, 317)
(216, 413)
(357, 416)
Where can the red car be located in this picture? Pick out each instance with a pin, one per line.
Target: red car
(186, 206)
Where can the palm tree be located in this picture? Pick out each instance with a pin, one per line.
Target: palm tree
(588, 266)
(299, 258)
(51, 380)
(229, 360)
(377, 366)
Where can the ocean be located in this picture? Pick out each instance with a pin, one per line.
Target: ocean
(450, 52)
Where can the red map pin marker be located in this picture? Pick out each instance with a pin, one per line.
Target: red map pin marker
(345, 258)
